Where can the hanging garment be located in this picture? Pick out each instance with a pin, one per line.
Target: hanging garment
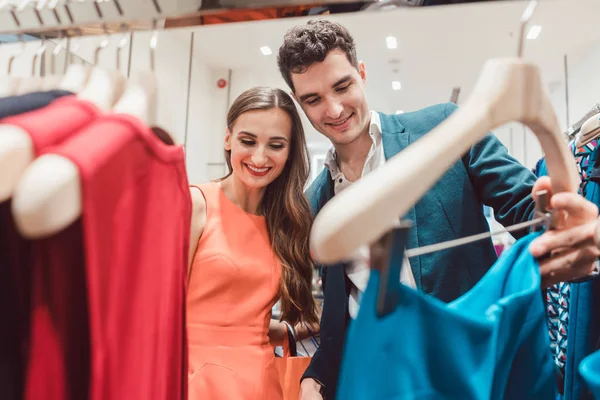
(560, 296)
(46, 126)
(15, 105)
(135, 223)
(234, 283)
(590, 371)
(584, 307)
(493, 345)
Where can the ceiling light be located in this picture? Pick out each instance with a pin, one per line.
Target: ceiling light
(396, 85)
(391, 42)
(399, 111)
(534, 32)
(266, 50)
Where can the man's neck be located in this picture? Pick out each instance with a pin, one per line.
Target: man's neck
(351, 157)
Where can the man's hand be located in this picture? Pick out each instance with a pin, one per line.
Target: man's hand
(573, 245)
(309, 390)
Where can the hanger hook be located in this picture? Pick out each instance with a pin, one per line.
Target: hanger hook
(56, 51)
(21, 51)
(153, 42)
(74, 46)
(525, 18)
(122, 43)
(69, 13)
(41, 50)
(118, 7)
(36, 9)
(157, 6)
(154, 37)
(104, 43)
(52, 7)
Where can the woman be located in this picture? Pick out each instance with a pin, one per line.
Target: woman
(251, 229)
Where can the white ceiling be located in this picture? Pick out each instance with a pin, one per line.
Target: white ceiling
(438, 47)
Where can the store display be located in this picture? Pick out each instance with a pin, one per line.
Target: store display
(98, 297)
(85, 279)
(490, 343)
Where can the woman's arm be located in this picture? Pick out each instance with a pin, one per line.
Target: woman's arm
(277, 330)
(197, 224)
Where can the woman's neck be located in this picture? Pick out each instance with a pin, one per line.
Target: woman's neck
(247, 198)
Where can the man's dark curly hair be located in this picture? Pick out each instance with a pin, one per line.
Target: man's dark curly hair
(304, 45)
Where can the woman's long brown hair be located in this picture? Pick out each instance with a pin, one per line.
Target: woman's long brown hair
(285, 207)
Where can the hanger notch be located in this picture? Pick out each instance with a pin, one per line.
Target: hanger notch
(387, 257)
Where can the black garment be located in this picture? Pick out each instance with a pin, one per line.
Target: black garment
(15, 105)
(334, 323)
(14, 270)
(14, 306)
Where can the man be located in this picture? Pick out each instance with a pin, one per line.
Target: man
(318, 61)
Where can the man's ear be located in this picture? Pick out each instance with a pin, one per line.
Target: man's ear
(227, 139)
(362, 71)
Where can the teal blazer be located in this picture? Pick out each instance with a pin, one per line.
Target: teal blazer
(453, 208)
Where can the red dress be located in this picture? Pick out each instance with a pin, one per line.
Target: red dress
(136, 225)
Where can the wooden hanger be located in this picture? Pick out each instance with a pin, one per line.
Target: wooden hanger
(507, 90)
(590, 130)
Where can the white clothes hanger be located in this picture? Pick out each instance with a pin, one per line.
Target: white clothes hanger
(34, 83)
(48, 197)
(9, 85)
(139, 98)
(507, 90)
(16, 147)
(104, 87)
(589, 131)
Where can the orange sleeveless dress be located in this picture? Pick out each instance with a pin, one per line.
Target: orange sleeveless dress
(232, 287)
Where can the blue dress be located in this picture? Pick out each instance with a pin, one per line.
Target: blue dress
(491, 343)
(590, 371)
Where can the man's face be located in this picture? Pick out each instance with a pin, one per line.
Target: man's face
(332, 94)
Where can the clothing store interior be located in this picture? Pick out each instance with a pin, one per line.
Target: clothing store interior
(228, 199)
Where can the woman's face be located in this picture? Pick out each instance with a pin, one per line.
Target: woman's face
(259, 142)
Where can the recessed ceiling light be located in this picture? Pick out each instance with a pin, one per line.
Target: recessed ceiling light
(266, 50)
(391, 42)
(399, 111)
(534, 32)
(396, 85)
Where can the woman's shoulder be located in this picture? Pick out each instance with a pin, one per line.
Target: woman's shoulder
(197, 193)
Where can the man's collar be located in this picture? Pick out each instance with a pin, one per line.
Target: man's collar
(331, 157)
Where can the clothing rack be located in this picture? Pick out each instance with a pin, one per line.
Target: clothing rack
(576, 127)
(60, 18)
(89, 17)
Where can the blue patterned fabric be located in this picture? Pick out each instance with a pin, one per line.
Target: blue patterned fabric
(584, 308)
(570, 326)
(491, 343)
(558, 296)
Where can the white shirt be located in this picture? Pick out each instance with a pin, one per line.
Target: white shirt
(358, 271)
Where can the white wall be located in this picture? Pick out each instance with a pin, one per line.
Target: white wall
(193, 109)
(584, 85)
(520, 142)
